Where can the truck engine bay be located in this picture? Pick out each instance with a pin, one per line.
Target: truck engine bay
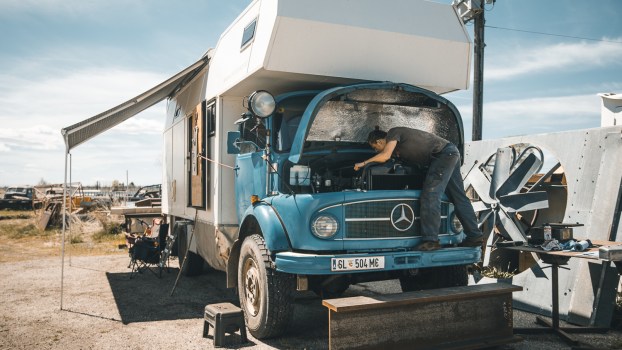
(335, 173)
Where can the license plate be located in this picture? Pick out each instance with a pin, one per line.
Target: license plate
(361, 263)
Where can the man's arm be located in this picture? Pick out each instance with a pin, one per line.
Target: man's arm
(380, 157)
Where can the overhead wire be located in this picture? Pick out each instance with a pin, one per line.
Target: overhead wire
(490, 8)
(551, 34)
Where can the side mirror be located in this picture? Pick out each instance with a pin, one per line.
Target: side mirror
(233, 142)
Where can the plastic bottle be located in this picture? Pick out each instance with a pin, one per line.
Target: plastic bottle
(547, 233)
(582, 245)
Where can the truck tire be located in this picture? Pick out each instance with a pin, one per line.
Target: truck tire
(435, 277)
(266, 295)
(194, 262)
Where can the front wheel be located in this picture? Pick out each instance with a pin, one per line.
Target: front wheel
(266, 295)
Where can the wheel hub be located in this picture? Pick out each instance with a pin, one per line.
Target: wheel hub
(252, 289)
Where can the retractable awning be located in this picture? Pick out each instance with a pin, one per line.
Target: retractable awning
(87, 129)
(91, 127)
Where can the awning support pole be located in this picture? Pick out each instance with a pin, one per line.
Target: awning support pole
(62, 268)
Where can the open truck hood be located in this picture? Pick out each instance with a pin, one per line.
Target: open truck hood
(349, 113)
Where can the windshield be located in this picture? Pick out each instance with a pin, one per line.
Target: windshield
(350, 117)
(16, 189)
(287, 118)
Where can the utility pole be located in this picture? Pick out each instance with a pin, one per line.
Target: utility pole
(478, 73)
(473, 10)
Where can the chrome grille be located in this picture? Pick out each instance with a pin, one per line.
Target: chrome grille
(372, 219)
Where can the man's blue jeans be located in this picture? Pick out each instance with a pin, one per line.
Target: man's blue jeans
(444, 177)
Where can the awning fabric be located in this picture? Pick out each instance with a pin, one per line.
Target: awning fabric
(89, 128)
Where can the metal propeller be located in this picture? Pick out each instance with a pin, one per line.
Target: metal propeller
(500, 192)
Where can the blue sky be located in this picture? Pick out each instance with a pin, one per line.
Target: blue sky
(63, 61)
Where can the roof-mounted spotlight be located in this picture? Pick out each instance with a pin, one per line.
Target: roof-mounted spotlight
(261, 103)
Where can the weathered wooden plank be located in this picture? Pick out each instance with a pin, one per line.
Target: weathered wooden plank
(469, 317)
(418, 297)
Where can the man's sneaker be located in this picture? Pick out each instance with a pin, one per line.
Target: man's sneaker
(476, 241)
(428, 245)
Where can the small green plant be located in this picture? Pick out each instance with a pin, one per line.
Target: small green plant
(16, 216)
(110, 231)
(75, 239)
(22, 231)
(111, 227)
(493, 272)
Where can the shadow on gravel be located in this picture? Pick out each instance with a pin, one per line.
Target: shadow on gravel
(309, 327)
(147, 298)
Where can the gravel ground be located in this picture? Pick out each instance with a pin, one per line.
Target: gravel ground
(103, 309)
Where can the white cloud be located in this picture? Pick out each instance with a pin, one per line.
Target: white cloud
(64, 100)
(559, 57)
(33, 111)
(544, 107)
(535, 115)
(37, 137)
(135, 126)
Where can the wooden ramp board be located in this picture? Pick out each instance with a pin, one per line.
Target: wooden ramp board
(50, 210)
(136, 211)
(468, 317)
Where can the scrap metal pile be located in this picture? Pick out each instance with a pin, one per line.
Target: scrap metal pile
(49, 199)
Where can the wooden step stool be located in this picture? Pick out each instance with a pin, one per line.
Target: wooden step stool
(224, 318)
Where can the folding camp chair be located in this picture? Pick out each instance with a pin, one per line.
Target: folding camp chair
(145, 251)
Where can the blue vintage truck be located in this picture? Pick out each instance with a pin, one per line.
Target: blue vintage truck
(17, 198)
(262, 137)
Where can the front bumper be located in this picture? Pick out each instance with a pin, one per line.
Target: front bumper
(315, 264)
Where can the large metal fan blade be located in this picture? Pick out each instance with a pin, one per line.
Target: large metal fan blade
(524, 201)
(545, 177)
(489, 240)
(480, 184)
(503, 162)
(483, 220)
(510, 227)
(519, 177)
(480, 206)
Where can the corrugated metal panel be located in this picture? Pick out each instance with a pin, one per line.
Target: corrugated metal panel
(85, 130)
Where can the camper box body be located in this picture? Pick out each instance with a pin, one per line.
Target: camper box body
(329, 64)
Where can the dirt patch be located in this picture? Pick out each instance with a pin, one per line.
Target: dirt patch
(96, 233)
(104, 309)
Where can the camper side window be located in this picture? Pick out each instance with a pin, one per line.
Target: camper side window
(249, 34)
(210, 113)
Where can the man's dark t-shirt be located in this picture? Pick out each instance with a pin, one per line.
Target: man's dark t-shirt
(415, 146)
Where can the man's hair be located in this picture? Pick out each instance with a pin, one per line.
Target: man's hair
(376, 135)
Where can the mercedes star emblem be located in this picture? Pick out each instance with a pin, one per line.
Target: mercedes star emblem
(402, 217)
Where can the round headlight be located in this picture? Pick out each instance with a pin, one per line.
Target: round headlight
(456, 225)
(262, 103)
(324, 226)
